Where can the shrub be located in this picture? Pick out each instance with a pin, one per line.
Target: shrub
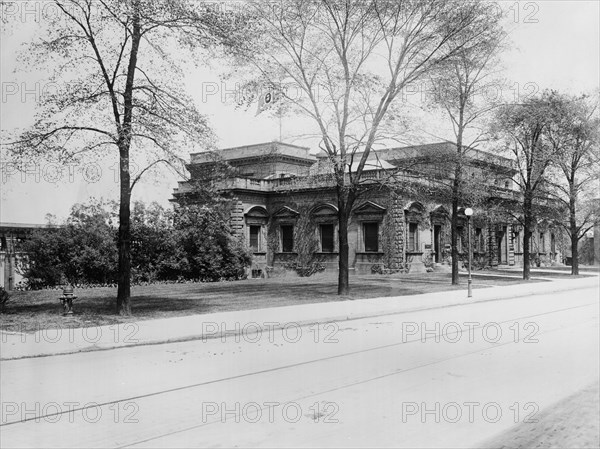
(82, 250)
(4, 298)
(206, 248)
(194, 243)
(313, 267)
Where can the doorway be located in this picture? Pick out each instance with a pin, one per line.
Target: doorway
(502, 246)
(437, 243)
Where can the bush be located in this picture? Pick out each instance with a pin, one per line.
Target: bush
(4, 298)
(152, 243)
(195, 243)
(82, 250)
(313, 267)
(205, 247)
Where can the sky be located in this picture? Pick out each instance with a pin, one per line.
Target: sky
(556, 44)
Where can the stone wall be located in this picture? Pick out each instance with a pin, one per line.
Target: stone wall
(396, 212)
(395, 230)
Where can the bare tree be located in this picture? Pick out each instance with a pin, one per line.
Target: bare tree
(348, 62)
(463, 87)
(523, 128)
(120, 90)
(574, 137)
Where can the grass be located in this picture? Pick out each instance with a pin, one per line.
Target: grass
(556, 272)
(583, 269)
(29, 311)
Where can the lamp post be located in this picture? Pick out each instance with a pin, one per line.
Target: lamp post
(468, 213)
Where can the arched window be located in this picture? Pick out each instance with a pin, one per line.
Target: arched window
(440, 223)
(325, 217)
(256, 221)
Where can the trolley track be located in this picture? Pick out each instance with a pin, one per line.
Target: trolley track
(315, 361)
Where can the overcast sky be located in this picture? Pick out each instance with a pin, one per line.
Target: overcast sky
(556, 45)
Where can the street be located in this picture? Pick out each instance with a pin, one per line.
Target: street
(448, 377)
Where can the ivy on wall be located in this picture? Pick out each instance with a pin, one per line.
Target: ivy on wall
(304, 260)
(306, 245)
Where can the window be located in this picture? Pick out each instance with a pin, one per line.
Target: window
(507, 184)
(517, 242)
(287, 238)
(326, 231)
(371, 236)
(479, 246)
(459, 238)
(413, 237)
(255, 238)
(552, 244)
(542, 243)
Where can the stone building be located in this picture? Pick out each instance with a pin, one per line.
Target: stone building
(283, 204)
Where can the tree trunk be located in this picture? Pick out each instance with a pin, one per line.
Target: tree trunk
(345, 202)
(124, 241)
(574, 237)
(454, 239)
(527, 219)
(343, 279)
(455, 203)
(574, 256)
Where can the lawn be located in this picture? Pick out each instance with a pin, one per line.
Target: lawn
(28, 311)
(555, 274)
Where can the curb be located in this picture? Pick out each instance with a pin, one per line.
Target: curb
(375, 314)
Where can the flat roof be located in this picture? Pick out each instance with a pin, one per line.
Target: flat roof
(26, 225)
(432, 149)
(254, 150)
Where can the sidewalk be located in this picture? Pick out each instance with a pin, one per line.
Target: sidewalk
(68, 340)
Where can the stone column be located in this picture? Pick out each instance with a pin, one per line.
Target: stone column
(397, 223)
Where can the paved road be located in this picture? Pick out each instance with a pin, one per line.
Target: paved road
(450, 377)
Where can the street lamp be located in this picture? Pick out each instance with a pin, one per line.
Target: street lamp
(468, 213)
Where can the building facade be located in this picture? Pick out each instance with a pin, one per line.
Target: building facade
(284, 205)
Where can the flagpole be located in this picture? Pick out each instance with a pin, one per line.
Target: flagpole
(280, 123)
(279, 110)
(266, 101)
